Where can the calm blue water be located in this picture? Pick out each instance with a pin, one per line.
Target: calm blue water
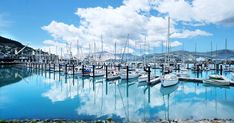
(40, 95)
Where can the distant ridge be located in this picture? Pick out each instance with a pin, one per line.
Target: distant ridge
(8, 47)
(10, 42)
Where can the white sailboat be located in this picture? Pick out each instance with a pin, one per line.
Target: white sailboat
(218, 80)
(170, 78)
(131, 75)
(182, 73)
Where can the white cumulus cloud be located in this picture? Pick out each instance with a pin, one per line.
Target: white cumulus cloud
(132, 18)
(190, 34)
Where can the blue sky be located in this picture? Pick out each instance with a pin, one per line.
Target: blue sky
(31, 21)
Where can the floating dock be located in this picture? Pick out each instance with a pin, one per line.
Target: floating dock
(191, 79)
(198, 80)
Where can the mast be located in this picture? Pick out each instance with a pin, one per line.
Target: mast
(168, 38)
(148, 50)
(195, 51)
(125, 48)
(226, 44)
(226, 48)
(216, 51)
(49, 54)
(115, 51)
(89, 51)
(94, 52)
(61, 50)
(102, 44)
(211, 49)
(144, 50)
(77, 50)
(56, 48)
(135, 54)
(102, 49)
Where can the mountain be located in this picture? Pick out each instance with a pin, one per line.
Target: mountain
(187, 55)
(8, 47)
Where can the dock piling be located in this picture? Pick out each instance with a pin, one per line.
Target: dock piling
(93, 70)
(148, 74)
(65, 68)
(106, 72)
(82, 70)
(54, 67)
(127, 73)
(221, 69)
(73, 69)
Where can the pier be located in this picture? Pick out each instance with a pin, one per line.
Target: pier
(71, 69)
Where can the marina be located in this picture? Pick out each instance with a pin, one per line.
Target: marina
(121, 61)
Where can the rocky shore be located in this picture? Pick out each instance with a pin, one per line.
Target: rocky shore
(111, 121)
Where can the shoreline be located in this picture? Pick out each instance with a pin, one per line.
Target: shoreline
(112, 121)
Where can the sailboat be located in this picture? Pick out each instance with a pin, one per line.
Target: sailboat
(183, 72)
(217, 80)
(169, 79)
(132, 74)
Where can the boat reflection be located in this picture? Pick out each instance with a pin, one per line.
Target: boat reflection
(166, 91)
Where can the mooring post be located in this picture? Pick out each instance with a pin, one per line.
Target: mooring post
(106, 72)
(59, 67)
(93, 70)
(148, 74)
(45, 66)
(65, 68)
(221, 69)
(127, 80)
(163, 69)
(54, 67)
(127, 73)
(73, 69)
(82, 70)
(217, 68)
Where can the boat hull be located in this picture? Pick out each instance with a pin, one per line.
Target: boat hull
(217, 82)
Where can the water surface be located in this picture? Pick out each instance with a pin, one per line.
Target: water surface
(35, 94)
